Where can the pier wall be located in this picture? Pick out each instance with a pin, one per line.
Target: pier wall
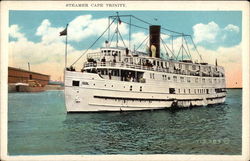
(16, 75)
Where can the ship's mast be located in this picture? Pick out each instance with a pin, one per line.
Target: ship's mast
(117, 30)
(170, 33)
(129, 31)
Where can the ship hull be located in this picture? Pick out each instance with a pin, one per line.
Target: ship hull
(98, 95)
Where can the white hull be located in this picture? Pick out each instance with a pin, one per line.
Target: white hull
(96, 94)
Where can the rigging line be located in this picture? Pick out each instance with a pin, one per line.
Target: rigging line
(195, 47)
(135, 25)
(186, 52)
(165, 48)
(112, 39)
(172, 43)
(142, 20)
(147, 29)
(129, 31)
(148, 23)
(184, 35)
(165, 34)
(120, 16)
(171, 31)
(121, 38)
(142, 43)
(168, 48)
(93, 43)
(117, 32)
(178, 53)
(109, 30)
(162, 27)
(188, 48)
(182, 47)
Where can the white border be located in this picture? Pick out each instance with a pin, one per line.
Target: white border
(130, 5)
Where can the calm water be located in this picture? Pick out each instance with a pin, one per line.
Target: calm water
(38, 124)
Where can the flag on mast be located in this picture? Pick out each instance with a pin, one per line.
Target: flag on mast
(216, 64)
(118, 18)
(64, 32)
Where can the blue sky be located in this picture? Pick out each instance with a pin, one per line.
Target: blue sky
(181, 21)
(34, 35)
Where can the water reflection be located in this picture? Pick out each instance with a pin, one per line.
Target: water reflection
(150, 132)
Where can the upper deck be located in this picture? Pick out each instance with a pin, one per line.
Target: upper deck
(122, 58)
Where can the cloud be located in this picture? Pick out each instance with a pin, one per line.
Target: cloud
(14, 32)
(212, 36)
(232, 28)
(228, 57)
(83, 27)
(165, 37)
(80, 28)
(47, 58)
(224, 55)
(48, 33)
(206, 32)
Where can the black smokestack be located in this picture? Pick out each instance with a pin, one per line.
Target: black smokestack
(155, 32)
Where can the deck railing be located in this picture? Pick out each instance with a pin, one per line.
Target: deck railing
(154, 68)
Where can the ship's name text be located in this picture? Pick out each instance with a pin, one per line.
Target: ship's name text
(96, 5)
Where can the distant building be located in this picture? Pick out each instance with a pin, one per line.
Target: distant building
(16, 75)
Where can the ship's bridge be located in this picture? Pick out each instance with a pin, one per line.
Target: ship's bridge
(110, 54)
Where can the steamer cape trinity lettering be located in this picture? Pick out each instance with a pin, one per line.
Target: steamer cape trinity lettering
(95, 5)
(118, 78)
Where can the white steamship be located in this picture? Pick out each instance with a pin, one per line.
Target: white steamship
(118, 78)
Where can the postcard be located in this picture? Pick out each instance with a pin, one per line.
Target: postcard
(121, 80)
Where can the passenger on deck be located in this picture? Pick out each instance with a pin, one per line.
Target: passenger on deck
(103, 59)
(132, 79)
(110, 72)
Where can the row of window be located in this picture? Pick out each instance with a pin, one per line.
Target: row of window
(189, 79)
(139, 100)
(110, 52)
(152, 75)
(188, 91)
(178, 65)
(196, 91)
(77, 84)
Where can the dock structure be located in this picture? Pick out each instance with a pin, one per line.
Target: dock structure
(16, 75)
